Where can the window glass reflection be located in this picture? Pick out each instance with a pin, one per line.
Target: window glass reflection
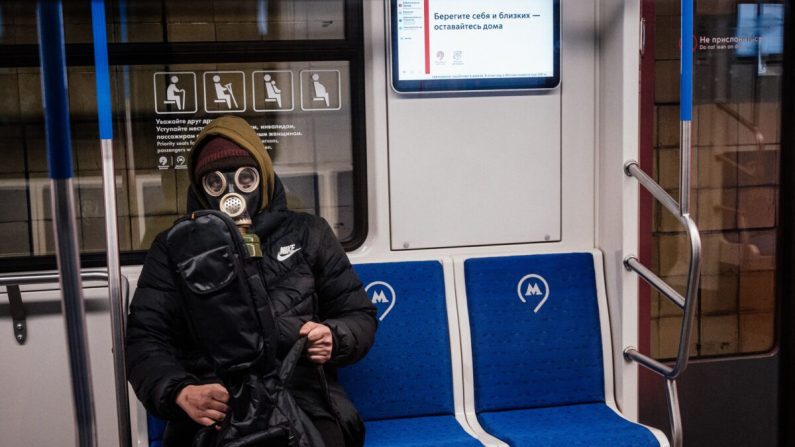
(736, 130)
(304, 120)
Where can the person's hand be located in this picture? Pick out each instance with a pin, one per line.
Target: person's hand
(205, 404)
(318, 341)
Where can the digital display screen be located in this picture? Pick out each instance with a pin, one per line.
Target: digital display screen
(470, 45)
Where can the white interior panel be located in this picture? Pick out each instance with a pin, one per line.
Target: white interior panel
(37, 391)
(474, 170)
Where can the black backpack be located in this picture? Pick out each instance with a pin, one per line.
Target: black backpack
(229, 313)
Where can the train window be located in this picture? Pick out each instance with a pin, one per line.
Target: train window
(736, 131)
(305, 100)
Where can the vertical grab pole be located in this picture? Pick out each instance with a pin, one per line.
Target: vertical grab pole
(674, 414)
(117, 310)
(685, 154)
(59, 155)
(686, 106)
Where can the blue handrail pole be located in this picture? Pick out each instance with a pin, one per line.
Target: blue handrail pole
(101, 69)
(52, 56)
(685, 152)
(686, 105)
(117, 308)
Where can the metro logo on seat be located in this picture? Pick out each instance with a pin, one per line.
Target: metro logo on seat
(533, 286)
(379, 298)
(532, 289)
(382, 296)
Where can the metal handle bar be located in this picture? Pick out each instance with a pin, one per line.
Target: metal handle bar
(52, 277)
(655, 281)
(47, 278)
(632, 169)
(689, 302)
(681, 211)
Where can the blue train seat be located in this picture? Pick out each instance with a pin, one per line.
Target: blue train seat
(538, 353)
(155, 429)
(404, 387)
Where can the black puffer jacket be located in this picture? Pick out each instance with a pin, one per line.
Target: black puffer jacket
(308, 277)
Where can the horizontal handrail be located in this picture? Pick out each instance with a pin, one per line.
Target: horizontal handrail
(7, 279)
(49, 277)
(632, 263)
(52, 277)
(660, 368)
(632, 169)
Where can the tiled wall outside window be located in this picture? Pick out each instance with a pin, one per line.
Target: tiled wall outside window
(184, 20)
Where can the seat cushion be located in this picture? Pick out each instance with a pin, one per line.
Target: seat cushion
(590, 425)
(442, 431)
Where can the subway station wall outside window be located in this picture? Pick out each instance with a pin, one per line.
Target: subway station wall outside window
(301, 108)
(136, 21)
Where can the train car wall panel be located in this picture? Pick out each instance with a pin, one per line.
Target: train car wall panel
(577, 94)
(37, 396)
(468, 171)
(617, 194)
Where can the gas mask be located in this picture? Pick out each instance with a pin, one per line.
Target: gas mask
(236, 194)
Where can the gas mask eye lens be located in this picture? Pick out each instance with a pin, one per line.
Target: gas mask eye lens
(247, 179)
(214, 183)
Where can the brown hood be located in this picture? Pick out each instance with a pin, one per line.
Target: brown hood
(240, 131)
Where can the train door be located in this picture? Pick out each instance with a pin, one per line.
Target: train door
(730, 392)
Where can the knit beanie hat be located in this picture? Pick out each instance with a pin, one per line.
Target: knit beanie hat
(220, 154)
